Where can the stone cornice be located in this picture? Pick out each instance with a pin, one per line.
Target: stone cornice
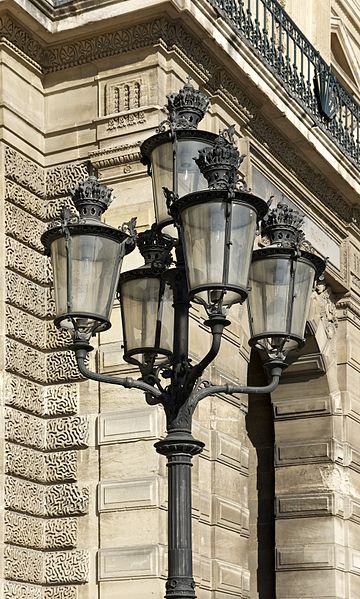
(172, 35)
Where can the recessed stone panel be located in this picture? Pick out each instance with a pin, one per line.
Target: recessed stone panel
(127, 494)
(129, 562)
(121, 427)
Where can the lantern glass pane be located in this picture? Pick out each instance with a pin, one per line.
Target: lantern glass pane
(243, 228)
(205, 249)
(268, 299)
(275, 311)
(148, 317)
(189, 176)
(304, 282)
(86, 270)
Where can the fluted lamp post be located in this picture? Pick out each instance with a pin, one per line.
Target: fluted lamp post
(208, 261)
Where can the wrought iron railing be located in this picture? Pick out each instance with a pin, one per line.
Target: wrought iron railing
(270, 32)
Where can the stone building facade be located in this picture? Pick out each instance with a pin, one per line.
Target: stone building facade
(276, 502)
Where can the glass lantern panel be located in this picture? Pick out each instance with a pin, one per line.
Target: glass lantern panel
(243, 228)
(304, 282)
(268, 298)
(148, 315)
(204, 240)
(86, 270)
(190, 178)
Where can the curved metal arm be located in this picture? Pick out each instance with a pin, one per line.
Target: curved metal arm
(127, 382)
(231, 389)
(217, 325)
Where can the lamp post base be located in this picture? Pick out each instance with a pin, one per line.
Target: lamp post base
(179, 447)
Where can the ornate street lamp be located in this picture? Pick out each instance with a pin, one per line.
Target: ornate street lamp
(208, 262)
(169, 155)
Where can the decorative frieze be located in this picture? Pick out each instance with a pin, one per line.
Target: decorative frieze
(126, 120)
(42, 500)
(51, 400)
(38, 533)
(24, 171)
(42, 467)
(46, 434)
(27, 262)
(116, 155)
(58, 567)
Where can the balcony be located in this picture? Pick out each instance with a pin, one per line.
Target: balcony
(271, 34)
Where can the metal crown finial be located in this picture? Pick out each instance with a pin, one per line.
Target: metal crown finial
(91, 198)
(283, 225)
(219, 164)
(155, 247)
(187, 107)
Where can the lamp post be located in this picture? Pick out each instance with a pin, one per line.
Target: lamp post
(208, 260)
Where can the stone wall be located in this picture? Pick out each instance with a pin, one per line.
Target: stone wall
(84, 509)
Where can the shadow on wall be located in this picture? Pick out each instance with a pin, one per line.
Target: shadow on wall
(261, 487)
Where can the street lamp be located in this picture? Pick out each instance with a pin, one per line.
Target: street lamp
(208, 261)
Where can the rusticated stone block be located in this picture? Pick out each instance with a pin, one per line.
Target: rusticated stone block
(38, 366)
(26, 200)
(29, 531)
(29, 296)
(39, 567)
(57, 433)
(41, 467)
(60, 179)
(27, 262)
(23, 226)
(34, 332)
(43, 500)
(20, 590)
(52, 400)
(24, 171)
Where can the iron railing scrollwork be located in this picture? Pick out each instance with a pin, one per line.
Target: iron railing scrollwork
(266, 27)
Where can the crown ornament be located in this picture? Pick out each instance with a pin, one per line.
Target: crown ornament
(219, 164)
(90, 198)
(282, 225)
(187, 107)
(155, 248)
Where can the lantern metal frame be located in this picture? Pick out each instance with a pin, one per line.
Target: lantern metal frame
(178, 386)
(228, 198)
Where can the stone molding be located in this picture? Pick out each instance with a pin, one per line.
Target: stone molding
(170, 35)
